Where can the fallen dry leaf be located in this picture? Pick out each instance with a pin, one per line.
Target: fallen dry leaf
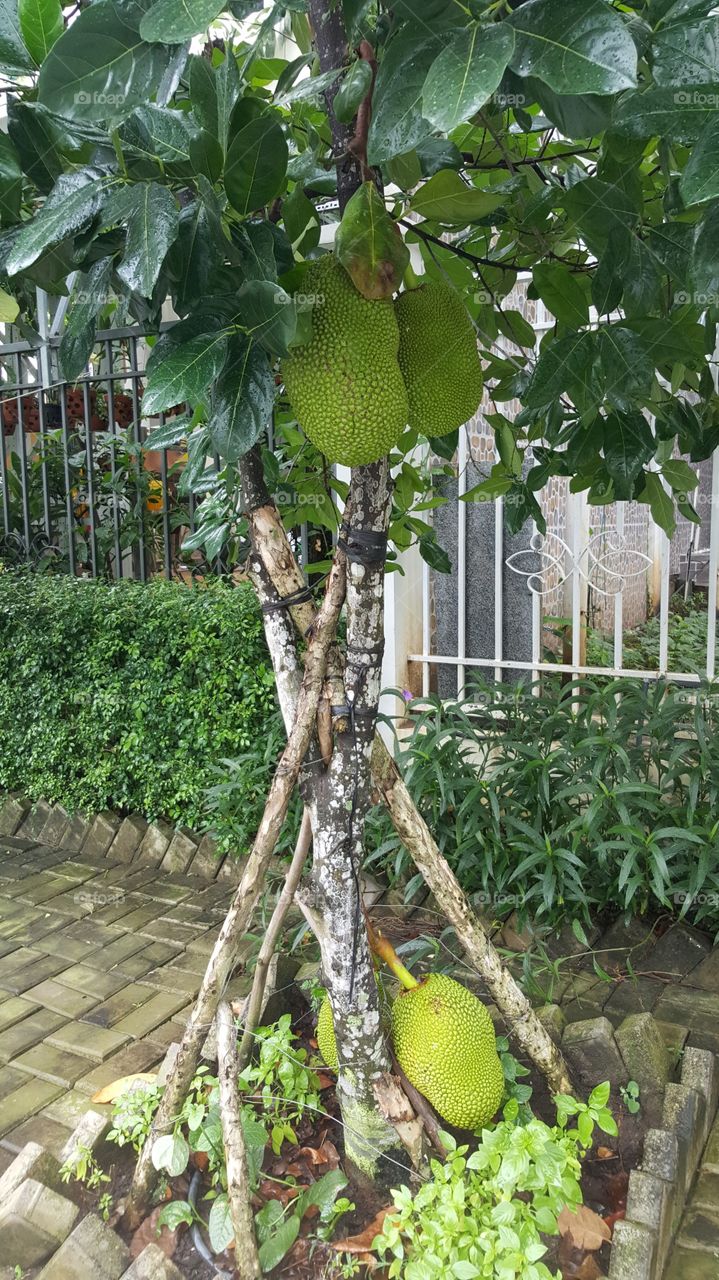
(583, 1229)
(362, 1243)
(147, 1234)
(606, 1153)
(113, 1090)
(589, 1270)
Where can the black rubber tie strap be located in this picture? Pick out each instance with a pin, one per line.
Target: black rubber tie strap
(363, 546)
(287, 602)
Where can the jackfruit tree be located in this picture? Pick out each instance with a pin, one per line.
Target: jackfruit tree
(268, 170)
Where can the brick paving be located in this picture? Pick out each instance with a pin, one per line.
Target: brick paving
(100, 958)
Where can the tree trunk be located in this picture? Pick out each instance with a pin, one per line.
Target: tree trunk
(238, 1181)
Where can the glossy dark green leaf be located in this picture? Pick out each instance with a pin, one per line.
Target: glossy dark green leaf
(101, 69)
(311, 89)
(174, 21)
(173, 431)
(198, 252)
(665, 113)
(275, 1246)
(576, 115)
(566, 365)
(466, 73)
(680, 476)
(89, 295)
(74, 200)
(628, 447)
(41, 25)
(704, 275)
(152, 223)
(447, 198)
(672, 339)
(369, 245)
(599, 208)
(583, 48)
(672, 244)
(10, 181)
(687, 55)
(397, 121)
(562, 293)
(206, 156)
(353, 89)
(242, 401)
(203, 94)
(37, 141)
(700, 179)
(186, 372)
(256, 164)
(660, 503)
(14, 55)
(627, 364)
(157, 133)
(268, 315)
(227, 89)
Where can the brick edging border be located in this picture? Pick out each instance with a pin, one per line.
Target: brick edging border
(132, 839)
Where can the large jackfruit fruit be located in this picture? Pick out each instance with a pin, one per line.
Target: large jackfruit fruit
(445, 1044)
(438, 357)
(345, 384)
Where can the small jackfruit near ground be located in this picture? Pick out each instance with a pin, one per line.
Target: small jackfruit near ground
(325, 1030)
(326, 1042)
(438, 357)
(445, 1044)
(345, 384)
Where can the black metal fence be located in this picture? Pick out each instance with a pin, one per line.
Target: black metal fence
(79, 491)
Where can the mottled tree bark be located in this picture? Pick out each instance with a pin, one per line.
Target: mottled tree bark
(238, 1181)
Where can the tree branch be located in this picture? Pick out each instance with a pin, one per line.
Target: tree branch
(238, 1180)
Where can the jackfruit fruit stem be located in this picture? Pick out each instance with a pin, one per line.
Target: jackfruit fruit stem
(384, 949)
(410, 278)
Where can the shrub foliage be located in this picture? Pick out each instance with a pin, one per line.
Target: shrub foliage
(125, 696)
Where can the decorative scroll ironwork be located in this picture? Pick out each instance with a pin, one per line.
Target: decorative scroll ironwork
(606, 562)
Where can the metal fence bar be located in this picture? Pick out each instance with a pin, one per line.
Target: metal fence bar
(619, 599)
(22, 453)
(69, 505)
(166, 537)
(90, 467)
(551, 668)
(426, 625)
(136, 413)
(112, 428)
(498, 584)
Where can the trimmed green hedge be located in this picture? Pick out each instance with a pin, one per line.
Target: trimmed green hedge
(128, 696)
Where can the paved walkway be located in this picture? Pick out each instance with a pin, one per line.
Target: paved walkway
(99, 963)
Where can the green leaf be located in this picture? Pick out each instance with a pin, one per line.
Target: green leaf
(100, 68)
(242, 401)
(13, 51)
(704, 276)
(256, 164)
(75, 199)
(562, 293)
(198, 250)
(397, 121)
(9, 308)
(89, 295)
(185, 373)
(700, 179)
(369, 245)
(660, 503)
(680, 476)
(446, 198)
(151, 228)
(203, 94)
(628, 446)
(466, 74)
(158, 134)
(433, 554)
(627, 364)
(274, 1247)
(171, 1152)
(174, 21)
(352, 91)
(227, 91)
(322, 1193)
(268, 314)
(10, 181)
(37, 141)
(41, 25)
(665, 113)
(219, 1224)
(687, 54)
(586, 48)
(174, 431)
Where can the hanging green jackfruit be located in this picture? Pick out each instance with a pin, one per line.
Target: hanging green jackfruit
(438, 357)
(445, 1044)
(345, 384)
